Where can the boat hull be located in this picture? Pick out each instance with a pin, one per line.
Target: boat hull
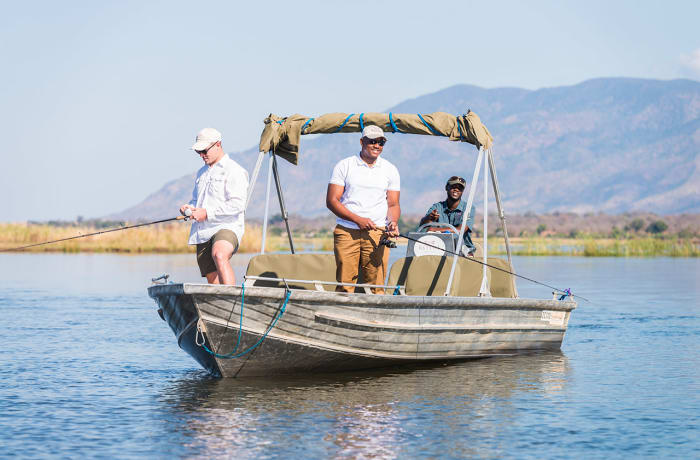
(318, 332)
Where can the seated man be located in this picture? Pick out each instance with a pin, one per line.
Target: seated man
(450, 212)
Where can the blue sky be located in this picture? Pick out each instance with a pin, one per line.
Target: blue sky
(101, 100)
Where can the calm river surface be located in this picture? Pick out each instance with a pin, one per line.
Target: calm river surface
(88, 369)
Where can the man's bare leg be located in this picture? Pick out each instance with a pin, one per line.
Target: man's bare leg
(212, 278)
(221, 252)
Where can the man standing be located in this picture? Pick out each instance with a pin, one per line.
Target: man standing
(364, 194)
(218, 206)
(450, 211)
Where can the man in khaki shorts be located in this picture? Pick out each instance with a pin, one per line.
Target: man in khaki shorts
(364, 194)
(218, 206)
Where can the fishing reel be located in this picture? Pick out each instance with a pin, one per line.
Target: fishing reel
(387, 241)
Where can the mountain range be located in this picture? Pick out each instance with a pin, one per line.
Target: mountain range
(605, 145)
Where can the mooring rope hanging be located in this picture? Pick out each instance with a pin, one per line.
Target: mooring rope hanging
(233, 354)
(564, 292)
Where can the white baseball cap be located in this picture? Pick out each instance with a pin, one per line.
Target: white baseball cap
(372, 132)
(205, 138)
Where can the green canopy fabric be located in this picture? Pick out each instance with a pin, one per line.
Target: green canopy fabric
(282, 135)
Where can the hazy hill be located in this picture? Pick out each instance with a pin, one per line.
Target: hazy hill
(612, 144)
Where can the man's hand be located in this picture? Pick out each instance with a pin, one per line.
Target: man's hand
(365, 223)
(199, 214)
(434, 215)
(184, 207)
(392, 229)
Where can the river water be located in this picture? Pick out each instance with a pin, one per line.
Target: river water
(88, 369)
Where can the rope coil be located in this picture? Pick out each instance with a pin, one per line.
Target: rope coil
(233, 354)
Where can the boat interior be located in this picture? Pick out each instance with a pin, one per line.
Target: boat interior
(416, 276)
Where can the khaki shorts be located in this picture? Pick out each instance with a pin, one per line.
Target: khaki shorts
(204, 258)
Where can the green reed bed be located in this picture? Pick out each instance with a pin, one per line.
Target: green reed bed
(172, 238)
(640, 247)
(592, 247)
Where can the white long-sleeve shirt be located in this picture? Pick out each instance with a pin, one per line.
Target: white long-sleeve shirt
(221, 189)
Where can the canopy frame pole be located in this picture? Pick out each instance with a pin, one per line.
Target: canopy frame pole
(254, 178)
(501, 214)
(267, 205)
(484, 291)
(465, 217)
(283, 209)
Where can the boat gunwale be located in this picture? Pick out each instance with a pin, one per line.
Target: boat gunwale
(362, 299)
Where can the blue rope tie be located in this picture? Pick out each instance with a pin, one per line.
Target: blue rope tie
(393, 125)
(238, 355)
(362, 125)
(280, 121)
(567, 293)
(429, 127)
(305, 124)
(346, 120)
(461, 137)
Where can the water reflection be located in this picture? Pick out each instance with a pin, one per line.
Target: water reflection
(459, 409)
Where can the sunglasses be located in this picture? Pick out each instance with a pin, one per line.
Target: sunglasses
(203, 152)
(379, 141)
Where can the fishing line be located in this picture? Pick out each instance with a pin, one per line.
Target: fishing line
(562, 291)
(187, 216)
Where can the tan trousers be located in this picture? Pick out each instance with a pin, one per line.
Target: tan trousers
(359, 250)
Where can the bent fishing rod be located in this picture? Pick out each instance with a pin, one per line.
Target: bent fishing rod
(473, 259)
(187, 216)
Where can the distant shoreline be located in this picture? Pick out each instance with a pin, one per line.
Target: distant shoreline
(172, 239)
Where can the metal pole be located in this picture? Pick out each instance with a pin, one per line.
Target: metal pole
(283, 209)
(485, 291)
(254, 178)
(267, 205)
(465, 216)
(501, 213)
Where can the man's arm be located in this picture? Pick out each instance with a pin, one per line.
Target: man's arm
(394, 211)
(431, 216)
(470, 219)
(333, 203)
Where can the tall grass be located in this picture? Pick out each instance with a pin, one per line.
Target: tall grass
(591, 247)
(640, 247)
(162, 238)
(172, 238)
(531, 247)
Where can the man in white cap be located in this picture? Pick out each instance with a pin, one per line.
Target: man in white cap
(217, 206)
(364, 194)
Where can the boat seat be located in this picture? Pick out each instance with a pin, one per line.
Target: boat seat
(428, 275)
(316, 267)
(501, 284)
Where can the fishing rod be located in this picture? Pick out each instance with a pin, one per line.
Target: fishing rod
(187, 216)
(563, 291)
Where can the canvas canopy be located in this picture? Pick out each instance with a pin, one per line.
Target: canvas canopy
(282, 135)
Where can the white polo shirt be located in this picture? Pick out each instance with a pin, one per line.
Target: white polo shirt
(365, 188)
(221, 189)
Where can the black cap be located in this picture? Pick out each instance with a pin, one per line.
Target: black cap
(456, 180)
